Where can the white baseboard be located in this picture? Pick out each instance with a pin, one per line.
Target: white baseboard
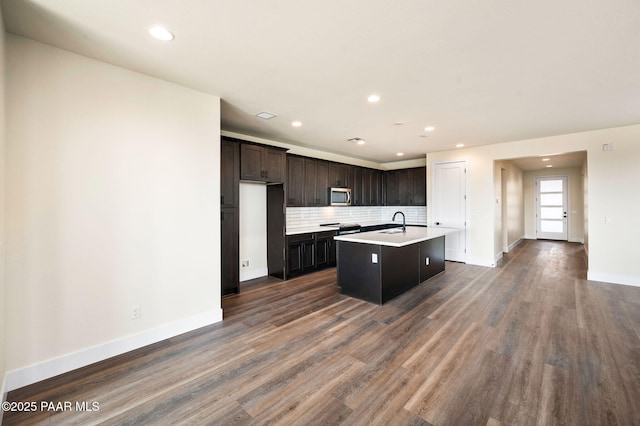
(497, 258)
(37, 372)
(253, 273)
(613, 279)
(479, 262)
(576, 240)
(512, 245)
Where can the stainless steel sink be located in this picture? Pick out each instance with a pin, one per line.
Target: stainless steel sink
(392, 231)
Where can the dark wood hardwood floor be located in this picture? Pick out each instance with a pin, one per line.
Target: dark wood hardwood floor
(528, 342)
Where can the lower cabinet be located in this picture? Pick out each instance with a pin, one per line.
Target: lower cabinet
(309, 252)
(300, 254)
(325, 250)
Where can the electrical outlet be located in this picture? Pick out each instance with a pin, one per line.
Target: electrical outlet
(135, 312)
(374, 257)
(244, 264)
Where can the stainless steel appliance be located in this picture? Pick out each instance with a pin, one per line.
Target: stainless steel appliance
(340, 196)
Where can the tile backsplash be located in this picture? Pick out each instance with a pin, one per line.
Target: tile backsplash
(298, 217)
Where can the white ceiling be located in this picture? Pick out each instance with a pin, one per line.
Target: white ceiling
(554, 161)
(481, 72)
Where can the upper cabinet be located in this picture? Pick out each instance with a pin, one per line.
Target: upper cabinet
(262, 163)
(338, 175)
(316, 182)
(406, 187)
(296, 186)
(309, 180)
(229, 173)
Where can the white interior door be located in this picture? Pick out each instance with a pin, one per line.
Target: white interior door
(551, 208)
(449, 206)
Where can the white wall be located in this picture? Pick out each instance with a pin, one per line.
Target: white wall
(613, 177)
(514, 208)
(3, 304)
(575, 200)
(112, 189)
(253, 230)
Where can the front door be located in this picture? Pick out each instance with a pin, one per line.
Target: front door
(551, 207)
(449, 203)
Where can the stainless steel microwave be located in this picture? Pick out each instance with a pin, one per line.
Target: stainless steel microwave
(340, 196)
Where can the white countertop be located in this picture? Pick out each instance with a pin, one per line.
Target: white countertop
(310, 229)
(318, 228)
(383, 238)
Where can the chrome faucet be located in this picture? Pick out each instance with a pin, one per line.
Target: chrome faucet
(404, 223)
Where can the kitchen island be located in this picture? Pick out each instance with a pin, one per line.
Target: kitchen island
(380, 265)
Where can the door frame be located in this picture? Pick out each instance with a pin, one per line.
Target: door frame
(536, 204)
(467, 215)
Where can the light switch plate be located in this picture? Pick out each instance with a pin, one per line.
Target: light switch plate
(374, 257)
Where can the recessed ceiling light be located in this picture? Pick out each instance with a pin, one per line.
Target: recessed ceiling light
(400, 154)
(429, 129)
(296, 124)
(161, 33)
(545, 159)
(460, 145)
(265, 115)
(549, 165)
(373, 98)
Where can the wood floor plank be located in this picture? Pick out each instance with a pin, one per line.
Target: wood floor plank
(528, 342)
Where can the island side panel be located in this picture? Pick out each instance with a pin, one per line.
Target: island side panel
(434, 250)
(399, 270)
(358, 276)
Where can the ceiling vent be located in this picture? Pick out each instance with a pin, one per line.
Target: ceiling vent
(265, 115)
(359, 141)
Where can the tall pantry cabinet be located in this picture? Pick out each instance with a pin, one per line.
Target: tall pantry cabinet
(229, 216)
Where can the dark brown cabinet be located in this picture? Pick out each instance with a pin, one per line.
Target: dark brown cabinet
(418, 186)
(229, 173)
(229, 216)
(309, 252)
(262, 164)
(295, 181)
(230, 253)
(405, 187)
(391, 188)
(316, 175)
(338, 175)
(325, 250)
(375, 195)
(300, 254)
(307, 182)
